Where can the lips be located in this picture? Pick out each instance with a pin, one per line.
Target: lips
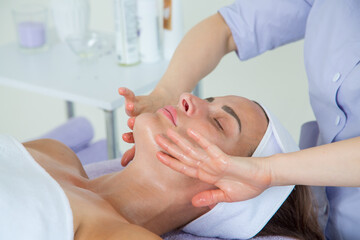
(170, 113)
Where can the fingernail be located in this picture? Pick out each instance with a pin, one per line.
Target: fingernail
(162, 158)
(130, 106)
(202, 202)
(122, 90)
(159, 138)
(190, 131)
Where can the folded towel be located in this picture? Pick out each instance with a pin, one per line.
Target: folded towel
(243, 220)
(33, 206)
(76, 133)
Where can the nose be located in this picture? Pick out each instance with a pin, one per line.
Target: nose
(192, 105)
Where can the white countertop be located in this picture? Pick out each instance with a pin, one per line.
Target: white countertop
(57, 72)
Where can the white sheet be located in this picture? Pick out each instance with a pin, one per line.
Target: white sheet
(32, 203)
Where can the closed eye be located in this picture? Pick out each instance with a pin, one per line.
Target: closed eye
(211, 99)
(218, 124)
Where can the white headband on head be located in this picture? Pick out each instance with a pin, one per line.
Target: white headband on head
(245, 219)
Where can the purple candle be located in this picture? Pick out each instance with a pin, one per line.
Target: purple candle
(31, 34)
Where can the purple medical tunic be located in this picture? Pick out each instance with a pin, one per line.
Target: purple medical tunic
(331, 32)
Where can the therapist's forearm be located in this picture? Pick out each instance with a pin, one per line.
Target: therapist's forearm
(196, 56)
(335, 164)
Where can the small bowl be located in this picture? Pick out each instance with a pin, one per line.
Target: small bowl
(91, 45)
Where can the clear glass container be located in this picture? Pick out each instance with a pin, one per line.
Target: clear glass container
(31, 26)
(71, 18)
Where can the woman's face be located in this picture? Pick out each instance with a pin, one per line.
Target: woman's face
(235, 124)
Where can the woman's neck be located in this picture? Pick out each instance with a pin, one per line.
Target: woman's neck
(146, 195)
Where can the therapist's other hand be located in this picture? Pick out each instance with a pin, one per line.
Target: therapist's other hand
(129, 138)
(237, 178)
(135, 105)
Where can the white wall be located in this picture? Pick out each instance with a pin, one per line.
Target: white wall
(277, 78)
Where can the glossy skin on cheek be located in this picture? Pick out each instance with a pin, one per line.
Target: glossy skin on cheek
(242, 122)
(148, 125)
(200, 115)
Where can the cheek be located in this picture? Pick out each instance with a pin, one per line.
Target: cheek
(210, 133)
(228, 145)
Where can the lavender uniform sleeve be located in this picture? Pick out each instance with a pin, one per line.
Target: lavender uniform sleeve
(261, 25)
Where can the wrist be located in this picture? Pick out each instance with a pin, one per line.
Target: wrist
(264, 170)
(165, 94)
(273, 162)
(254, 170)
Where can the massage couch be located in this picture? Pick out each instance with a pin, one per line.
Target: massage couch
(78, 133)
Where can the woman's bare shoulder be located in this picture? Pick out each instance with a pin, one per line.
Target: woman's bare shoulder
(50, 150)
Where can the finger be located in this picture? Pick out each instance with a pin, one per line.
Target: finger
(174, 151)
(128, 156)
(186, 146)
(130, 108)
(209, 198)
(176, 165)
(128, 137)
(138, 106)
(220, 160)
(129, 100)
(210, 148)
(127, 93)
(131, 122)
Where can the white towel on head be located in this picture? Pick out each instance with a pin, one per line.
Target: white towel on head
(243, 220)
(32, 204)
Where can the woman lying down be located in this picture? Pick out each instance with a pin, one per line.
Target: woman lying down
(46, 194)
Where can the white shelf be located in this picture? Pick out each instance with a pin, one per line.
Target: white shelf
(57, 72)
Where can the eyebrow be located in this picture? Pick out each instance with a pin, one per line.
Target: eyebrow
(230, 111)
(209, 99)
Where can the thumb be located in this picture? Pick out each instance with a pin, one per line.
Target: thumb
(208, 198)
(128, 156)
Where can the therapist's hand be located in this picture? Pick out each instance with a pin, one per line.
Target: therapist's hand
(135, 105)
(129, 138)
(237, 178)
